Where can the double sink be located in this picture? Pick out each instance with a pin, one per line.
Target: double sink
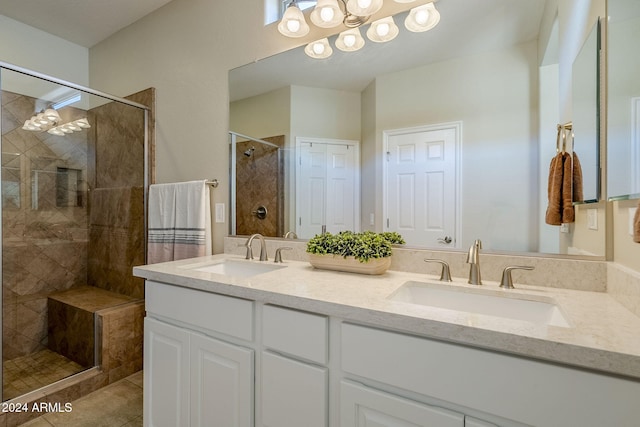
(528, 307)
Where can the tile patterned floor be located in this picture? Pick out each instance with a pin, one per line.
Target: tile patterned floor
(27, 373)
(116, 405)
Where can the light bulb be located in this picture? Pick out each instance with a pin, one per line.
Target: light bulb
(293, 25)
(382, 29)
(319, 49)
(83, 123)
(41, 119)
(422, 16)
(51, 115)
(349, 40)
(327, 14)
(363, 4)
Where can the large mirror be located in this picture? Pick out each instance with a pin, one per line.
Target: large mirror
(623, 105)
(585, 141)
(472, 81)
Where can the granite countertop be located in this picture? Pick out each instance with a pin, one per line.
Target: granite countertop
(603, 335)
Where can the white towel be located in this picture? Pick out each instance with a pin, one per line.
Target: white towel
(179, 221)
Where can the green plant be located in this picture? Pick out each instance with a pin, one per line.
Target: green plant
(363, 246)
(393, 237)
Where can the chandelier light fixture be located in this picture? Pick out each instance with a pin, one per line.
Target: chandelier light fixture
(48, 121)
(353, 14)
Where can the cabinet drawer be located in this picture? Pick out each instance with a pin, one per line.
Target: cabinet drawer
(227, 315)
(296, 333)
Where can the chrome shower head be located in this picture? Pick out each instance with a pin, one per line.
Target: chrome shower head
(249, 152)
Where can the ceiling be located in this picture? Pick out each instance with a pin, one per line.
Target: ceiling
(84, 22)
(466, 28)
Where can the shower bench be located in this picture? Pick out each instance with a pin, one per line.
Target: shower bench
(79, 321)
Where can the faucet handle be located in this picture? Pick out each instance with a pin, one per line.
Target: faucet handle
(445, 275)
(278, 256)
(507, 281)
(249, 251)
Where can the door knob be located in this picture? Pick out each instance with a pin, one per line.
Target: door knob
(445, 240)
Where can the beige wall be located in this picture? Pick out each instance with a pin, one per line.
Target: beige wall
(498, 155)
(36, 50)
(185, 50)
(262, 116)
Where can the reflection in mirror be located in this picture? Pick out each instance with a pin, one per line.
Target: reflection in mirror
(586, 117)
(623, 107)
(478, 88)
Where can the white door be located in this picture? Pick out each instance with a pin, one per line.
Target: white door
(327, 189)
(166, 375)
(221, 383)
(420, 184)
(364, 407)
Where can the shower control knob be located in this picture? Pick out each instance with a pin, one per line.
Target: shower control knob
(261, 212)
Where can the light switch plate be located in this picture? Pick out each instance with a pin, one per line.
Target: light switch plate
(592, 219)
(219, 212)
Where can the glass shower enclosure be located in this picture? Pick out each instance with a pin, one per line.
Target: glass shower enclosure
(74, 174)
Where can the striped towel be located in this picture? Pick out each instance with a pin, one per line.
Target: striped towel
(179, 221)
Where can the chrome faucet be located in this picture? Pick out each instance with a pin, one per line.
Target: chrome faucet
(263, 247)
(290, 235)
(278, 257)
(473, 258)
(507, 280)
(445, 274)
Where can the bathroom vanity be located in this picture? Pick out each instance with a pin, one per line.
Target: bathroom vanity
(287, 345)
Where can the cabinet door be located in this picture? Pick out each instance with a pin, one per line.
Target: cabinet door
(364, 407)
(166, 375)
(221, 383)
(294, 394)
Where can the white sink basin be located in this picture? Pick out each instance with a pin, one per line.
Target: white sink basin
(536, 309)
(238, 268)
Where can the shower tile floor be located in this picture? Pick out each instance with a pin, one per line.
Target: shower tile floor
(27, 373)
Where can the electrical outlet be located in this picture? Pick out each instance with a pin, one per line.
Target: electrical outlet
(372, 219)
(564, 228)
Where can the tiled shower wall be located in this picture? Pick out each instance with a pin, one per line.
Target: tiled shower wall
(42, 239)
(42, 233)
(116, 230)
(259, 182)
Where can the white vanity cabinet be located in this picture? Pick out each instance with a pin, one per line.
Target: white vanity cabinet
(191, 378)
(222, 361)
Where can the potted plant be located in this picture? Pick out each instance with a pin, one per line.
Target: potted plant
(366, 252)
